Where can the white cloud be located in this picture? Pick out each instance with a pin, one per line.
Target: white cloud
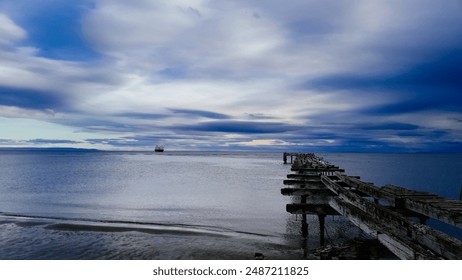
(237, 57)
(16, 112)
(9, 31)
(206, 38)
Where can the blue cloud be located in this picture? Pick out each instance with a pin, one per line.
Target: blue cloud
(430, 85)
(244, 127)
(200, 113)
(443, 73)
(367, 137)
(259, 116)
(390, 126)
(102, 125)
(52, 141)
(8, 142)
(143, 116)
(136, 140)
(173, 73)
(28, 98)
(407, 106)
(54, 27)
(115, 142)
(424, 134)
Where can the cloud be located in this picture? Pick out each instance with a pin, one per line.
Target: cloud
(244, 127)
(259, 116)
(230, 74)
(441, 73)
(143, 116)
(8, 142)
(16, 112)
(171, 38)
(171, 141)
(199, 113)
(9, 31)
(411, 95)
(52, 141)
(27, 98)
(54, 27)
(390, 126)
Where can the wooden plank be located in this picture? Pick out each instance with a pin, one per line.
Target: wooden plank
(424, 203)
(449, 216)
(367, 188)
(400, 191)
(321, 169)
(433, 200)
(310, 190)
(420, 197)
(303, 176)
(402, 248)
(306, 191)
(310, 209)
(303, 182)
(442, 244)
(441, 206)
(317, 199)
(353, 215)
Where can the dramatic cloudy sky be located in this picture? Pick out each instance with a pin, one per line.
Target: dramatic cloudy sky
(244, 74)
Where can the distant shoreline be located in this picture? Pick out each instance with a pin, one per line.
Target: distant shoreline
(70, 149)
(58, 149)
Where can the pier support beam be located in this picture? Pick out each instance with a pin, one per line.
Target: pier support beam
(304, 220)
(304, 226)
(321, 229)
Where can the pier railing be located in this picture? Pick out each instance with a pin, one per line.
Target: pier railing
(393, 215)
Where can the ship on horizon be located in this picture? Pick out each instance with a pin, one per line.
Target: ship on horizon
(159, 149)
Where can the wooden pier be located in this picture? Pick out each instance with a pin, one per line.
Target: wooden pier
(395, 216)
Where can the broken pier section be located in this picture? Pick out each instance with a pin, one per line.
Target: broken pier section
(393, 215)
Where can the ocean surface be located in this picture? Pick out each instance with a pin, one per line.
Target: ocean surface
(179, 205)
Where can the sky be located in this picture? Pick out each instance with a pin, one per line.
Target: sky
(296, 75)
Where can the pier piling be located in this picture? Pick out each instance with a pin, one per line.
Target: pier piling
(322, 222)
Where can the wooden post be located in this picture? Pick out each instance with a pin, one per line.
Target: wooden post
(284, 157)
(304, 226)
(304, 221)
(305, 247)
(460, 195)
(321, 229)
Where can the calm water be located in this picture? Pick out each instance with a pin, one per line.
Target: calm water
(178, 205)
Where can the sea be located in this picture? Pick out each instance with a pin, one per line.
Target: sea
(181, 205)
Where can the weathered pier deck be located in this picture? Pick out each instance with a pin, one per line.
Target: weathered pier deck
(393, 215)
